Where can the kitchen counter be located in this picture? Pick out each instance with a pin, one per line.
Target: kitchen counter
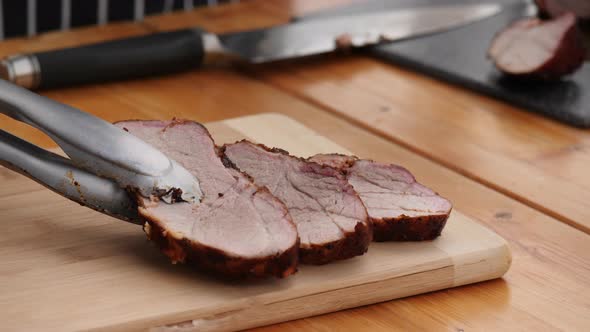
(523, 176)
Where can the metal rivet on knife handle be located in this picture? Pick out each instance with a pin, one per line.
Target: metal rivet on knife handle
(22, 70)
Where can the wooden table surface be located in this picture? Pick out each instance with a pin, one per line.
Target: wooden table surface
(521, 175)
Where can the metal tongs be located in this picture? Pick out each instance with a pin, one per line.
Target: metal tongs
(104, 161)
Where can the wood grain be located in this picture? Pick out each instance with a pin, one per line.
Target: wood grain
(535, 160)
(547, 287)
(102, 252)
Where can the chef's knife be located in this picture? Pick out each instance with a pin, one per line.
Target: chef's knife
(174, 51)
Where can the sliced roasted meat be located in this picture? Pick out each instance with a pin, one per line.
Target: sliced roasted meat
(533, 48)
(399, 207)
(238, 229)
(330, 217)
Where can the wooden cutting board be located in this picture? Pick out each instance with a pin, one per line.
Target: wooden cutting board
(65, 267)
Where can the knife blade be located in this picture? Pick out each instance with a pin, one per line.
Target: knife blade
(174, 51)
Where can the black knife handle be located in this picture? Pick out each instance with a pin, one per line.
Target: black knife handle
(154, 54)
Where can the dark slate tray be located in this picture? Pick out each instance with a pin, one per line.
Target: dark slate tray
(459, 56)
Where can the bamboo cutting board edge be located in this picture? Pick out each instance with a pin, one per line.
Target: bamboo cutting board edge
(387, 271)
(476, 266)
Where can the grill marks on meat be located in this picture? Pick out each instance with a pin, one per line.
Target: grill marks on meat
(237, 230)
(399, 207)
(331, 219)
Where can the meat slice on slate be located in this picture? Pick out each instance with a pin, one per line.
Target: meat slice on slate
(532, 48)
(330, 217)
(237, 230)
(554, 8)
(399, 207)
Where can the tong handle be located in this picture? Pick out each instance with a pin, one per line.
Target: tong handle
(61, 176)
(80, 133)
(101, 148)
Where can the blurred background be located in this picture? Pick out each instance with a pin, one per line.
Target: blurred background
(31, 17)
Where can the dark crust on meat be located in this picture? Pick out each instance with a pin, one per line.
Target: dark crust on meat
(229, 164)
(408, 228)
(403, 228)
(350, 160)
(572, 48)
(353, 244)
(544, 13)
(210, 259)
(213, 260)
(225, 160)
(165, 124)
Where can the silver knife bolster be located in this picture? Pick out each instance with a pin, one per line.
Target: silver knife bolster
(22, 70)
(215, 53)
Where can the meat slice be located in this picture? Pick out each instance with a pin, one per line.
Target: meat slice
(237, 230)
(330, 217)
(399, 207)
(554, 8)
(532, 48)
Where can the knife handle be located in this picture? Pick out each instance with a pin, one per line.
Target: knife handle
(154, 54)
